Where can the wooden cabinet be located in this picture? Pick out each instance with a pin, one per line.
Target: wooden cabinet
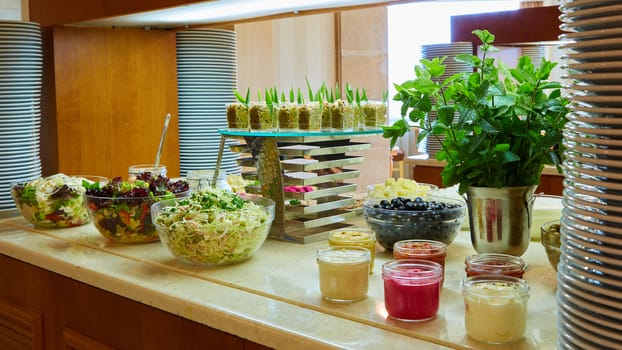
(43, 310)
(105, 108)
(549, 184)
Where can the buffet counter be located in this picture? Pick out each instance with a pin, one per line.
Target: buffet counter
(273, 299)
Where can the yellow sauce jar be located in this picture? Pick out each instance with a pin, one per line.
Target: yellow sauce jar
(357, 237)
(495, 308)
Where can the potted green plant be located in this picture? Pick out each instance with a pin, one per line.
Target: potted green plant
(498, 127)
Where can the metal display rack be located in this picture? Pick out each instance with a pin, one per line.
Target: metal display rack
(318, 159)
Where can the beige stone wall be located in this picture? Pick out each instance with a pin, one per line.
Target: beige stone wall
(283, 52)
(364, 63)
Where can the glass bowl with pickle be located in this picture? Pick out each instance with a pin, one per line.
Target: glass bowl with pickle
(550, 237)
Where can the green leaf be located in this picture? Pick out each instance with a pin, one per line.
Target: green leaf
(312, 96)
(238, 96)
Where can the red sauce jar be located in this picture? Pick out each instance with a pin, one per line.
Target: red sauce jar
(495, 264)
(412, 289)
(421, 249)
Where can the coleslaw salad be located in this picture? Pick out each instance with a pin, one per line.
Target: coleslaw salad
(213, 227)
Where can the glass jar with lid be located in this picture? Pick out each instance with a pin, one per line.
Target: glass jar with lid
(495, 264)
(202, 179)
(495, 308)
(358, 237)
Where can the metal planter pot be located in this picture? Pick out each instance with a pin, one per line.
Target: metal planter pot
(501, 218)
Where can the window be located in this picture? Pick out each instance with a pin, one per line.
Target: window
(415, 24)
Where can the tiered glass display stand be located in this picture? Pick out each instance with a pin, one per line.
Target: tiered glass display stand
(318, 159)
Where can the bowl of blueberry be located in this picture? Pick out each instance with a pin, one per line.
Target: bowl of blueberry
(430, 217)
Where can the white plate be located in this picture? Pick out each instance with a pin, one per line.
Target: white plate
(607, 66)
(582, 120)
(583, 158)
(602, 78)
(593, 45)
(593, 12)
(596, 56)
(586, 339)
(581, 228)
(600, 22)
(578, 283)
(586, 272)
(594, 143)
(595, 130)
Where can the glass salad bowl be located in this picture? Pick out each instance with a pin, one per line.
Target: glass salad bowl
(121, 211)
(213, 227)
(55, 201)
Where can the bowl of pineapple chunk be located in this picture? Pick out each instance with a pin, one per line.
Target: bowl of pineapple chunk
(399, 187)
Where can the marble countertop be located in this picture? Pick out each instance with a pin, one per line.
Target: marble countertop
(274, 298)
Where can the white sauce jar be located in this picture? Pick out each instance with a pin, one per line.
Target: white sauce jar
(495, 308)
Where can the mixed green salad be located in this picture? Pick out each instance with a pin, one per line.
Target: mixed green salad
(121, 210)
(213, 227)
(54, 201)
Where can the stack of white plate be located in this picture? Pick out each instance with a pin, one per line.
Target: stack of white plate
(451, 50)
(590, 271)
(206, 79)
(20, 113)
(536, 52)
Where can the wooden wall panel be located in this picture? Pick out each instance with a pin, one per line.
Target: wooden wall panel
(78, 316)
(113, 90)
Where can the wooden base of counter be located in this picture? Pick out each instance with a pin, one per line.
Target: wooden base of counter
(40, 309)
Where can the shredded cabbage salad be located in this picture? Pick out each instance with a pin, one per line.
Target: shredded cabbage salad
(54, 201)
(213, 227)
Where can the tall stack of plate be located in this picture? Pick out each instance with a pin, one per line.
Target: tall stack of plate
(206, 79)
(536, 52)
(451, 50)
(590, 270)
(21, 65)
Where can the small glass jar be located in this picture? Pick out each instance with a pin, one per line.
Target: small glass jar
(495, 308)
(237, 116)
(421, 249)
(287, 116)
(412, 289)
(202, 179)
(495, 264)
(261, 117)
(310, 116)
(135, 170)
(357, 237)
(344, 273)
(369, 120)
(326, 115)
(342, 116)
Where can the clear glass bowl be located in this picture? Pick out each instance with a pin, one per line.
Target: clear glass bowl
(55, 201)
(125, 219)
(440, 225)
(400, 187)
(211, 237)
(550, 238)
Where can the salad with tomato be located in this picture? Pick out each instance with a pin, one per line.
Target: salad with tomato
(53, 202)
(121, 210)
